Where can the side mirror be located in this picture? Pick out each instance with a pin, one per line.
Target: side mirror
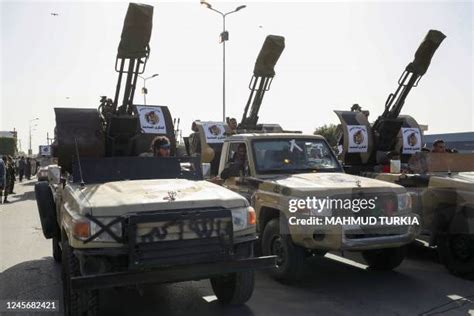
(206, 170)
(54, 174)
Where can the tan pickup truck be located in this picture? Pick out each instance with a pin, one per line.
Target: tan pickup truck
(274, 170)
(122, 221)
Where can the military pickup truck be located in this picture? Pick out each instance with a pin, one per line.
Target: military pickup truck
(273, 169)
(443, 184)
(123, 221)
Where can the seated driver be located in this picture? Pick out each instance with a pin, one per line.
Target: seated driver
(236, 164)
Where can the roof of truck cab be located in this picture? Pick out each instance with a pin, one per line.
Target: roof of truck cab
(271, 136)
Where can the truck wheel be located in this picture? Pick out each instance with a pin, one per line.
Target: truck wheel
(384, 259)
(57, 253)
(76, 303)
(234, 288)
(290, 257)
(456, 252)
(46, 209)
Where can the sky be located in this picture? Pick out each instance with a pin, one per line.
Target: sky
(337, 54)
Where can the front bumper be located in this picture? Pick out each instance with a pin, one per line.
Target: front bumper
(380, 241)
(171, 274)
(354, 238)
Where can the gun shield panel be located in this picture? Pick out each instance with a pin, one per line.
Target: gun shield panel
(211, 138)
(408, 123)
(136, 31)
(359, 154)
(81, 126)
(142, 141)
(127, 135)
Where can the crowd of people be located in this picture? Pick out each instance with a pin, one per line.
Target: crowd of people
(9, 169)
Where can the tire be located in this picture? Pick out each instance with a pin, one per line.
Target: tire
(234, 288)
(57, 253)
(384, 259)
(46, 210)
(76, 303)
(456, 252)
(290, 257)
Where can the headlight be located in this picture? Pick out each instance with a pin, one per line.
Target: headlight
(404, 202)
(243, 217)
(325, 211)
(104, 236)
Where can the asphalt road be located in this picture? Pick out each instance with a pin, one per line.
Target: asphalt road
(334, 285)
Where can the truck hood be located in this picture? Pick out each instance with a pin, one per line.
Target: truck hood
(459, 181)
(121, 197)
(325, 182)
(463, 176)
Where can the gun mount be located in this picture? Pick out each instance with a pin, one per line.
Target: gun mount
(363, 143)
(387, 126)
(208, 138)
(261, 81)
(118, 127)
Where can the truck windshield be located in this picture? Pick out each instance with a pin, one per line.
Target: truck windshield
(293, 155)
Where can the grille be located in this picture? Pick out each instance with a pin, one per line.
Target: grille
(179, 237)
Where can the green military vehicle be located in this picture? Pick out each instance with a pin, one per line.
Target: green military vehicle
(443, 183)
(273, 169)
(117, 218)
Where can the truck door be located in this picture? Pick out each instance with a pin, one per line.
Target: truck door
(236, 170)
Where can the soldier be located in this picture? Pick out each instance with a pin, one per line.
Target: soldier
(194, 140)
(237, 163)
(233, 125)
(161, 146)
(438, 146)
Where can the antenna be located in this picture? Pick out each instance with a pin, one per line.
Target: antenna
(79, 162)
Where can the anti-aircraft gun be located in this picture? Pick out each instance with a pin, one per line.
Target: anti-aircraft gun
(117, 218)
(119, 127)
(363, 144)
(262, 78)
(441, 184)
(210, 136)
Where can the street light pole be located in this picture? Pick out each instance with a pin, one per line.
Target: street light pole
(30, 152)
(144, 89)
(223, 39)
(224, 36)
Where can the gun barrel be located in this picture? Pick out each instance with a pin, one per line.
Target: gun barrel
(425, 52)
(136, 31)
(268, 56)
